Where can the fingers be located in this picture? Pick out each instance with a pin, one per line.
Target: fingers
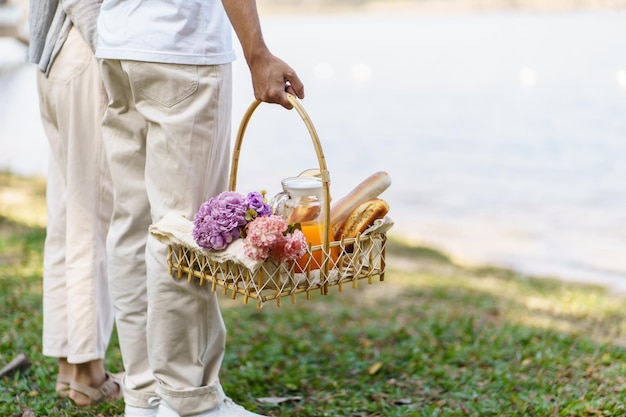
(294, 86)
(277, 96)
(284, 101)
(273, 80)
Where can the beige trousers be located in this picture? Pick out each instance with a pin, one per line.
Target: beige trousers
(77, 311)
(167, 136)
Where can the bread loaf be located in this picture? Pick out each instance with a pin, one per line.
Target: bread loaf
(362, 217)
(368, 189)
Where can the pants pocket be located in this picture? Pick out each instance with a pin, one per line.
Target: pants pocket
(72, 60)
(166, 84)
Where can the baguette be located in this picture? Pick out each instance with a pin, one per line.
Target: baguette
(362, 217)
(368, 189)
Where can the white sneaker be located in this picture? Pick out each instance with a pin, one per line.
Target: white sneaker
(130, 411)
(226, 409)
(165, 411)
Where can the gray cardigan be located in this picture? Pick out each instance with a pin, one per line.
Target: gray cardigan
(50, 22)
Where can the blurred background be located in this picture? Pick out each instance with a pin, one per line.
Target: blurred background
(501, 123)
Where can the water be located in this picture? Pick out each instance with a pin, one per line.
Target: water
(503, 132)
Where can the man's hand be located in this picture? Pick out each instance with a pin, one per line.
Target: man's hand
(272, 78)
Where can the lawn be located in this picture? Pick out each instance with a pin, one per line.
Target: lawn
(433, 339)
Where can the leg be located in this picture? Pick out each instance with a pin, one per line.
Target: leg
(73, 98)
(55, 331)
(187, 162)
(124, 134)
(88, 210)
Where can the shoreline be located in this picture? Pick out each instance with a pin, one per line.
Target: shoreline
(464, 255)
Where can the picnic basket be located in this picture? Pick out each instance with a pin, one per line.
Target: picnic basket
(342, 262)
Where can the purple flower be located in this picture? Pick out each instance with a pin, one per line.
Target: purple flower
(219, 219)
(256, 202)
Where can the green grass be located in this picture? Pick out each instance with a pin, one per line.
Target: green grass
(433, 339)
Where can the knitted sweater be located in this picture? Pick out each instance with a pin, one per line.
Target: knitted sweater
(50, 22)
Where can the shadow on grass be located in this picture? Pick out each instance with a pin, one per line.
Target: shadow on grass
(433, 339)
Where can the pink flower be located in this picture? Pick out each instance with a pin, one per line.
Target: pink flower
(292, 247)
(266, 238)
(256, 253)
(264, 232)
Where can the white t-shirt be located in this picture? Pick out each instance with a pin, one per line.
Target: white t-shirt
(168, 31)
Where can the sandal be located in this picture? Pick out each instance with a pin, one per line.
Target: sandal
(63, 385)
(110, 390)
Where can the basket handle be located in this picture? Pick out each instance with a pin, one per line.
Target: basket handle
(324, 174)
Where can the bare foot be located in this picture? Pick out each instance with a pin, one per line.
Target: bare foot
(84, 395)
(66, 371)
(62, 386)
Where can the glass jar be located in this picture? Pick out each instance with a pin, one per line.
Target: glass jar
(301, 201)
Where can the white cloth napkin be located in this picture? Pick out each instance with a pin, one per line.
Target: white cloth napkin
(379, 226)
(174, 229)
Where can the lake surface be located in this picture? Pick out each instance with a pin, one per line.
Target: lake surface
(504, 133)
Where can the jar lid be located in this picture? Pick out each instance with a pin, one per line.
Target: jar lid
(303, 183)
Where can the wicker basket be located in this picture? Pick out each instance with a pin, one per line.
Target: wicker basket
(352, 259)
